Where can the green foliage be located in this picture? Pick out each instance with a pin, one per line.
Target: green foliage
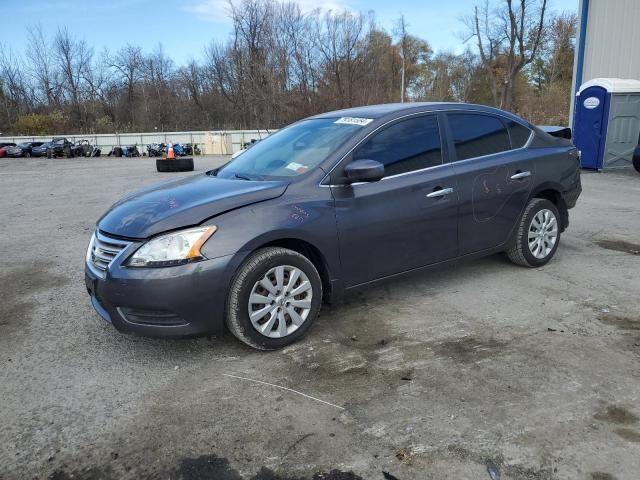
(38, 124)
(34, 124)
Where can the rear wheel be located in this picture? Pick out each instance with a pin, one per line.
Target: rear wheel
(538, 234)
(274, 298)
(636, 159)
(27, 154)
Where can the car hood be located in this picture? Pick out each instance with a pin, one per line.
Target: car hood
(183, 203)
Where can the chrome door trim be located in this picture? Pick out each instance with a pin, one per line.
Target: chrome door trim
(519, 175)
(440, 193)
(424, 112)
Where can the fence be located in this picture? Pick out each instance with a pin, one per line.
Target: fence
(219, 142)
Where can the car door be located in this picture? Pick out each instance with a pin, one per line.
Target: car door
(407, 219)
(494, 175)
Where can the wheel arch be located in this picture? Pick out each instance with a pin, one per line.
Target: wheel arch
(313, 253)
(300, 245)
(553, 193)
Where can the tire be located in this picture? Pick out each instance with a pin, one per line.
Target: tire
(117, 152)
(174, 165)
(49, 153)
(520, 252)
(27, 155)
(245, 282)
(636, 158)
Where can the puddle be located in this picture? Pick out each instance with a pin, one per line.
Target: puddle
(621, 322)
(628, 434)
(616, 414)
(469, 349)
(620, 246)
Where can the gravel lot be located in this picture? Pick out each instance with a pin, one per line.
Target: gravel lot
(482, 371)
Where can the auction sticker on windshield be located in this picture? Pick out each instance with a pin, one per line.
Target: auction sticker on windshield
(354, 121)
(297, 167)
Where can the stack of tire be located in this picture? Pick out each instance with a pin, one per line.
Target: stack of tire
(178, 164)
(175, 164)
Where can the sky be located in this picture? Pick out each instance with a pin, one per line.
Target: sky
(184, 27)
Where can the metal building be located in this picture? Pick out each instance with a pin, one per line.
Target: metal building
(608, 42)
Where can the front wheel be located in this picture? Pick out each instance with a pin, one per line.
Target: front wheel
(538, 234)
(274, 298)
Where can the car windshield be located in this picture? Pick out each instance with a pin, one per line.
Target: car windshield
(23, 145)
(292, 151)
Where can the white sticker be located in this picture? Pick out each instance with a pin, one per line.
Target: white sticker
(591, 103)
(354, 121)
(297, 167)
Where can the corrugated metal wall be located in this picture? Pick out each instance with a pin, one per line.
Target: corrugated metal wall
(612, 41)
(213, 142)
(612, 46)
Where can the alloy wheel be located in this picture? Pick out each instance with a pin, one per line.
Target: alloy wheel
(543, 233)
(280, 302)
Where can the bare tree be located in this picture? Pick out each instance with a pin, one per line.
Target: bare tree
(41, 65)
(508, 39)
(281, 63)
(73, 58)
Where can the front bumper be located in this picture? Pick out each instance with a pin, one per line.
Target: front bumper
(174, 301)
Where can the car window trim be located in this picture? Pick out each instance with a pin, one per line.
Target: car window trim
(502, 118)
(447, 159)
(443, 139)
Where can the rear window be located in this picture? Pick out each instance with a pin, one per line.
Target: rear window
(477, 135)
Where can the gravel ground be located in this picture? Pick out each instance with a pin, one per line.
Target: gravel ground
(482, 371)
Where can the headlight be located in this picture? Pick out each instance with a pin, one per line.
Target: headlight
(90, 247)
(172, 249)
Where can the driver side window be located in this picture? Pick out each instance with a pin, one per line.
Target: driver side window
(405, 146)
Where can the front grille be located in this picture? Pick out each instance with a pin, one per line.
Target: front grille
(104, 250)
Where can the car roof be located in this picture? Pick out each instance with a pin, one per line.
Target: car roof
(392, 110)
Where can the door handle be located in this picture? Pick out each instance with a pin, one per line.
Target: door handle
(519, 175)
(440, 193)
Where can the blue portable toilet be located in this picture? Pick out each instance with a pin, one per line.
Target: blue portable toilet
(607, 122)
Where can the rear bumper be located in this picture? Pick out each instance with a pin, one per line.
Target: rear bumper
(176, 301)
(571, 195)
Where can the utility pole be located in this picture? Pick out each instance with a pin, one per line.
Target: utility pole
(402, 30)
(402, 86)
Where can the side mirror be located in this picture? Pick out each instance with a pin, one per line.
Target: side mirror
(364, 171)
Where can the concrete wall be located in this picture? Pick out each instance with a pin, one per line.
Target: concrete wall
(611, 38)
(212, 143)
